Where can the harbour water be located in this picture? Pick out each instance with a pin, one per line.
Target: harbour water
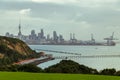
(97, 63)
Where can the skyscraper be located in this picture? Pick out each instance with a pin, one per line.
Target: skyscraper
(33, 35)
(33, 32)
(55, 37)
(48, 37)
(42, 33)
(7, 34)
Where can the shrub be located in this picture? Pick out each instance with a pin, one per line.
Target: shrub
(117, 73)
(68, 66)
(29, 68)
(108, 72)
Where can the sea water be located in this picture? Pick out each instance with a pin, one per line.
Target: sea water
(97, 63)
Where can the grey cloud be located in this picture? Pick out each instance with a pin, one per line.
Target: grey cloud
(98, 16)
(14, 5)
(68, 13)
(45, 10)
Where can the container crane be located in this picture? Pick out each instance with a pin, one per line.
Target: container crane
(92, 39)
(110, 40)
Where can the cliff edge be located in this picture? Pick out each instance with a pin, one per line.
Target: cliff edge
(13, 50)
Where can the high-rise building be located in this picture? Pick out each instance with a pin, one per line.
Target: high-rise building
(7, 34)
(61, 39)
(55, 37)
(33, 36)
(48, 37)
(42, 33)
(39, 36)
(33, 32)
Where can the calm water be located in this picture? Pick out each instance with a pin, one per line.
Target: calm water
(97, 63)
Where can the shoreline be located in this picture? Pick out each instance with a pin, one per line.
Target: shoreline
(35, 61)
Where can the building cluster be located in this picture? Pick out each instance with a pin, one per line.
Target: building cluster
(39, 38)
(56, 39)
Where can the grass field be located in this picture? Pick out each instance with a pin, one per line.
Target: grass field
(41, 76)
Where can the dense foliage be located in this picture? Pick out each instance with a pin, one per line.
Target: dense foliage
(21, 68)
(65, 66)
(108, 72)
(29, 68)
(14, 41)
(68, 66)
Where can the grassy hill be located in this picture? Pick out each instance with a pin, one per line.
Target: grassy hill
(42, 76)
(13, 50)
(14, 44)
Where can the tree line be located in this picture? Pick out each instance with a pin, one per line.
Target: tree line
(65, 66)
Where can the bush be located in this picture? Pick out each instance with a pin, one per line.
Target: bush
(117, 73)
(108, 72)
(29, 68)
(68, 66)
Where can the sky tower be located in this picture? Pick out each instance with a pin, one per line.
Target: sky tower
(19, 33)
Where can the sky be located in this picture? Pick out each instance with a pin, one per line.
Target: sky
(82, 17)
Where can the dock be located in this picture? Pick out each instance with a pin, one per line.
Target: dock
(62, 52)
(89, 56)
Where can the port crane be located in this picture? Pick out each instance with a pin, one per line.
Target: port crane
(110, 40)
(92, 39)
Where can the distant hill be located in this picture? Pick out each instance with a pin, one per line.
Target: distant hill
(13, 50)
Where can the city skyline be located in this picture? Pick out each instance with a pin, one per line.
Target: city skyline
(57, 39)
(81, 17)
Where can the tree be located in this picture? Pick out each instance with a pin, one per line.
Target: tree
(108, 72)
(117, 73)
(29, 68)
(68, 66)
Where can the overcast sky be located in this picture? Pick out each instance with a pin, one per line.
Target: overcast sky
(82, 17)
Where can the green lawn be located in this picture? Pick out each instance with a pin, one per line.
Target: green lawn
(41, 76)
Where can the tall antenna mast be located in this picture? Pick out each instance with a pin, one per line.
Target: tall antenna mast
(19, 27)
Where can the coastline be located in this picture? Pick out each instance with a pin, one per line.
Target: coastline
(35, 61)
